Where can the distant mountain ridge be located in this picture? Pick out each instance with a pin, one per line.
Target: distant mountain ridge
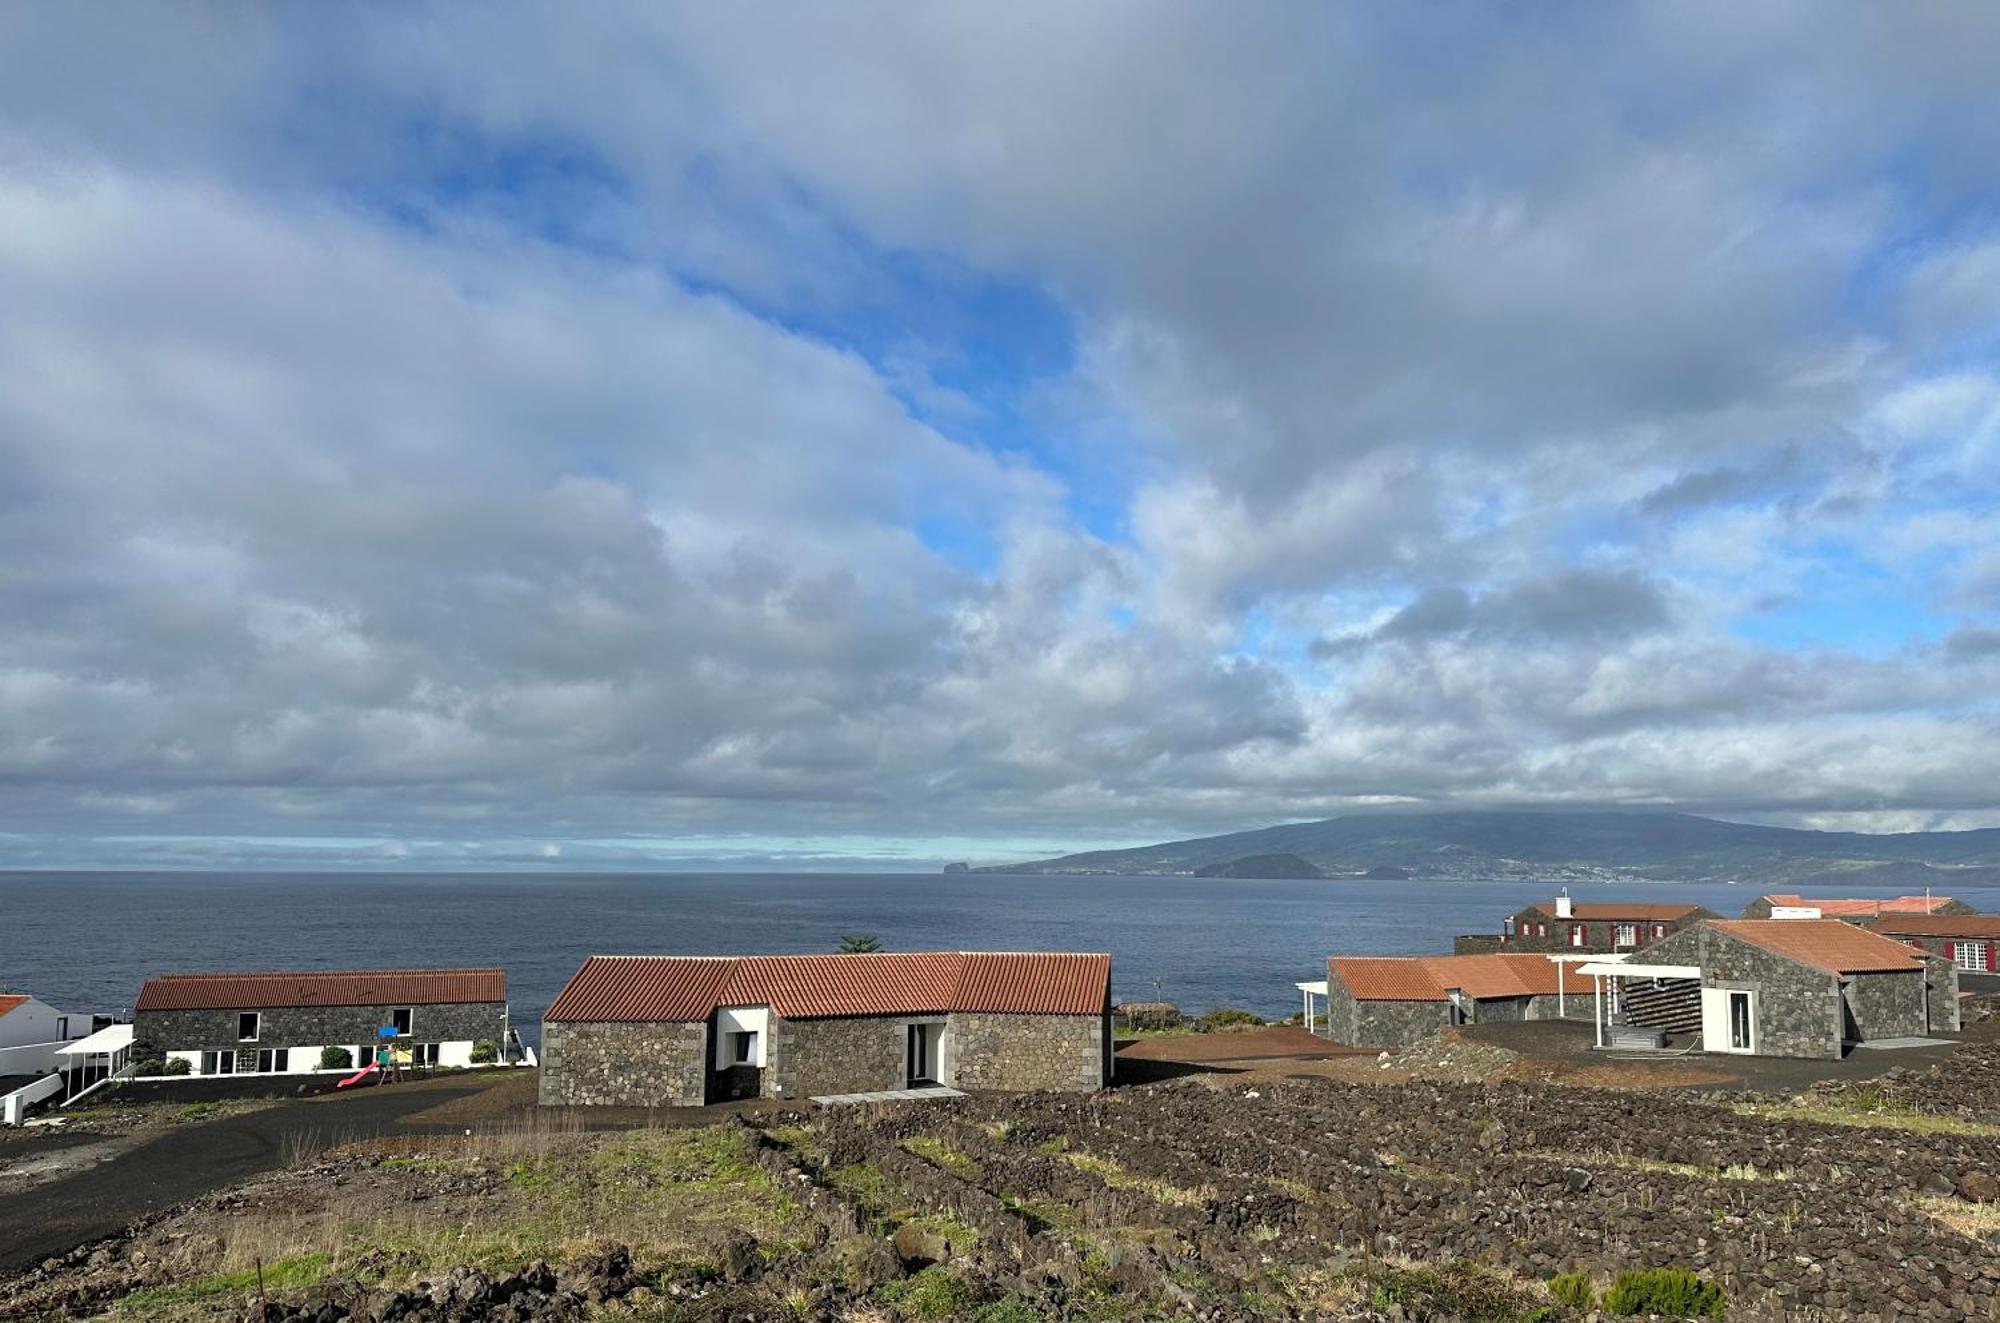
(1584, 845)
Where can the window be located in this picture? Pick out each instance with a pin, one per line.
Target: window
(1972, 957)
(62, 1027)
(274, 1060)
(248, 1024)
(1628, 934)
(222, 1061)
(404, 1018)
(743, 1047)
(1740, 1032)
(1659, 930)
(424, 1054)
(1578, 934)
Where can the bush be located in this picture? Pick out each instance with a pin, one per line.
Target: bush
(1226, 1017)
(936, 1292)
(1575, 1290)
(150, 1066)
(336, 1058)
(1675, 1292)
(177, 1066)
(485, 1052)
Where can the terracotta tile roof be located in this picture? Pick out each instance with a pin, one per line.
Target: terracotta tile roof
(1614, 910)
(321, 987)
(1938, 925)
(796, 987)
(11, 1001)
(1861, 907)
(1425, 978)
(1827, 944)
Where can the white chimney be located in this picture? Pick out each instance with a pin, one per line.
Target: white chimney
(1562, 903)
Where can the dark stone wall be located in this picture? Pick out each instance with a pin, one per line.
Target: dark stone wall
(1884, 1005)
(856, 1054)
(990, 1051)
(1798, 1007)
(1499, 1008)
(659, 1064)
(157, 1032)
(1941, 982)
(1573, 1006)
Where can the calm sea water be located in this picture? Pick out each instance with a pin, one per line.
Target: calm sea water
(85, 941)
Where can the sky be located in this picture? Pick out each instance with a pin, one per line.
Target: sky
(820, 436)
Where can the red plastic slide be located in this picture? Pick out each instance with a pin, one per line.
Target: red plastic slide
(358, 1076)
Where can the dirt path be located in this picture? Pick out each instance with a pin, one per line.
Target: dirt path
(186, 1161)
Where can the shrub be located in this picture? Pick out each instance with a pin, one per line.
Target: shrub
(176, 1066)
(1675, 1292)
(336, 1058)
(1224, 1017)
(1575, 1290)
(485, 1052)
(150, 1066)
(936, 1292)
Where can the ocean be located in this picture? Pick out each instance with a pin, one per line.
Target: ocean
(85, 941)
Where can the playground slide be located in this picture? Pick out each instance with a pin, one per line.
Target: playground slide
(358, 1076)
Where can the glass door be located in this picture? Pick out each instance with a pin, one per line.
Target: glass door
(1739, 1021)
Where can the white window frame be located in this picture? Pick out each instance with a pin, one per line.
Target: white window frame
(1625, 934)
(409, 1013)
(256, 1026)
(274, 1060)
(1971, 957)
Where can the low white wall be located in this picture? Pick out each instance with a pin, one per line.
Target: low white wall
(29, 1058)
(15, 1105)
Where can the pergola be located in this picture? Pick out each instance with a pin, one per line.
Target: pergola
(1618, 971)
(109, 1049)
(1307, 991)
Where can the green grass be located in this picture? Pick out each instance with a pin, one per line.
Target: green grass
(282, 1275)
(943, 1156)
(1887, 1115)
(936, 1292)
(1041, 1214)
(1118, 1178)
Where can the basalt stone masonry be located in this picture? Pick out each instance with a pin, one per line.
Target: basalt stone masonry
(1071, 1052)
(850, 1054)
(625, 1065)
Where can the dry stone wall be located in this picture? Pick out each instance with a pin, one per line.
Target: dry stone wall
(991, 1051)
(624, 1065)
(855, 1054)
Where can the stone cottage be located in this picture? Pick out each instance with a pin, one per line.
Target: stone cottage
(1563, 924)
(1390, 1001)
(1971, 942)
(1784, 987)
(1853, 909)
(279, 1023)
(680, 1031)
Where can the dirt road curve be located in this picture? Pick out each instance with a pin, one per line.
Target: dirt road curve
(188, 1161)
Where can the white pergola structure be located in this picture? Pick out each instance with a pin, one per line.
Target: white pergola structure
(109, 1048)
(1618, 970)
(1307, 991)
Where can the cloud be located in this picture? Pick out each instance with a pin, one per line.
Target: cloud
(518, 430)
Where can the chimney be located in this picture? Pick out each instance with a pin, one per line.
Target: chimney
(1562, 904)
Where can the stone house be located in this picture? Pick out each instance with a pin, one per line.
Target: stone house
(681, 1031)
(1971, 942)
(1563, 924)
(278, 1023)
(1785, 987)
(1852, 909)
(1391, 1001)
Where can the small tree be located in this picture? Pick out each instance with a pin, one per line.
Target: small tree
(177, 1066)
(335, 1058)
(485, 1052)
(860, 944)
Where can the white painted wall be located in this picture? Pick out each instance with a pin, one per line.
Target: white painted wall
(305, 1060)
(15, 1105)
(35, 1021)
(741, 1020)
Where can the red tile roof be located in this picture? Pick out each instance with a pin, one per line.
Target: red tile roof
(795, 987)
(1938, 925)
(1826, 944)
(11, 1001)
(1861, 907)
(1425, 978)
(1613, 910)
(329, 987)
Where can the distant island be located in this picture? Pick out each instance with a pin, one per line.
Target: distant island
(1556, 845)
